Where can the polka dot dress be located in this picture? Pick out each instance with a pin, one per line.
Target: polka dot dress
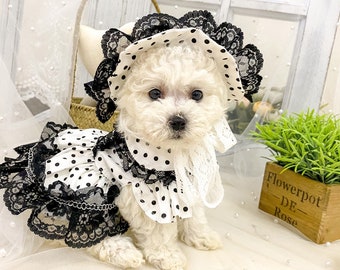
(77, 167)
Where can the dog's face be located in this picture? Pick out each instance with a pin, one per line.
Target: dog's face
(173, 97)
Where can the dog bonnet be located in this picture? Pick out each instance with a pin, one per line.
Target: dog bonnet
(238, 65)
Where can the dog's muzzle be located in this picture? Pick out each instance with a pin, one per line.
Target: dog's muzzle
(177, 123)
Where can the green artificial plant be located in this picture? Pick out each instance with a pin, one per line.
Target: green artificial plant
(307, 143)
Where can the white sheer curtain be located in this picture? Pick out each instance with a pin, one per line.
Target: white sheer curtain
(36, 75)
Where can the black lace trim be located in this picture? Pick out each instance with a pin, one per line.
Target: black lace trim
(115, 140)
(58, 212)
(249, 58)
(99, 90)
(83, 217)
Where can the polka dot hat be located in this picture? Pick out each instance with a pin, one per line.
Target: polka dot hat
(225, 61)
(238, 64)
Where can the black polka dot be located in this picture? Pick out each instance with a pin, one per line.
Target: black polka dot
(165, 41)
(157, 189)
(226, 75)
(137, 185)
(133, 57)
(193, 40)
(185, 209)
(155, 158)
(163, 198)
(56, 175)
(137, 140)
(226, 66)
(142, 201)
(231, 88)
(73, 161)
(193, 30)
(153, 43)
(71, 175)
(222, 50)
(88, 184)
(117, 87)
(175, 190)
(209, 51)
(145, 155)
(153, 213)
(238, 79)
(167, 162)
(57, 164)
(135, 152)
(100, 158)
(48, 161)
(123, 77)
(83, 144)
(120, 176)
(153, 202)
(177, 206)
(206, 41)
(125, 67)
(163, 215)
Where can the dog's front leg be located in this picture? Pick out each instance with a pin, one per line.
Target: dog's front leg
(196, 232)
(157, 241)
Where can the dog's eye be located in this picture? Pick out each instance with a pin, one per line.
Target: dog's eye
(155, 94)
(197, 95)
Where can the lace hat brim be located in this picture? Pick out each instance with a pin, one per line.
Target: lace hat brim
(225, 61)
(239, 66)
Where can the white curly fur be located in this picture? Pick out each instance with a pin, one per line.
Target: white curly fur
(176, 71)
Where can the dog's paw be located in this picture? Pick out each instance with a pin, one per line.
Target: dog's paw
(118, 251)
(206, 239)
(165, 258)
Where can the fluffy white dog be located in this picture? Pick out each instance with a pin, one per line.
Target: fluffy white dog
(173, 98)
(130, 194)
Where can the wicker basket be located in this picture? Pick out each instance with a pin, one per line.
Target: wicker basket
(85, 116)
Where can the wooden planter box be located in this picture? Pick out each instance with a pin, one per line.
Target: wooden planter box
(310, 206)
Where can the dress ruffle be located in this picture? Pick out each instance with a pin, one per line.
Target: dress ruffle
(82, 217)
(71, 178)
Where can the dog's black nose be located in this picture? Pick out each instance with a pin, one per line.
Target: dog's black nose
(177, 123)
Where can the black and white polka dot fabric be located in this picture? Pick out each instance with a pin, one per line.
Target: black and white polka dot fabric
(196, 37)
(76, 166)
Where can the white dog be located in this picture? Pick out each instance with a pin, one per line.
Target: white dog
(173, 98)
(157, 170)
